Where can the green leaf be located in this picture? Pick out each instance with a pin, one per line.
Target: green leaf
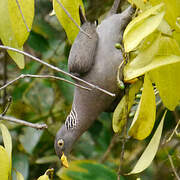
(142, 26)
(30, 138)
(4, 165)
(19, 176)
(86, 169)
(121, 112)
(167, 81)
(7, 142)
(20, 164)
(144, 118)
(47, 159)
(72, 6)
(150, 151)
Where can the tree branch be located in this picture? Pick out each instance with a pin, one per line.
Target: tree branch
(57, 69)
(22, 122)
(174, 132)
(42, 76)
(19, 121)
(111, 145)
(173, 168)
(7, 106)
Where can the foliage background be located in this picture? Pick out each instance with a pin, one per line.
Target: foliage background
(49, 101)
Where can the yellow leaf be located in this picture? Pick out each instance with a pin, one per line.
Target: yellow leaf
(143, 5)
(7, 35)
(155, 52)
(144, 118)
(43, 177)
(19, 176)
(144, 58)
(7, 142)
(72, 6)
(168, 83)
(142, 26)
(150, 151)
(120, 115)
(17, 24)
(172, 12)
(6, 139)
(121, 112)
(4, 165)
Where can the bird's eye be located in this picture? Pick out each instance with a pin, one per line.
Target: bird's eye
(60, 143)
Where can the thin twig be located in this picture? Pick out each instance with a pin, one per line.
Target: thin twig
(69, 15)
(124, 140)
(7, 106)
(121, 158)
(4, 78)
(173, 168)
(42, 76)
(57, 69)
(111, 145)
(17, 2)
(174, 131)
(22, 122)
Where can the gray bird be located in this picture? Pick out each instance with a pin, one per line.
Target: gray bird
(81, 57)
(102, 71)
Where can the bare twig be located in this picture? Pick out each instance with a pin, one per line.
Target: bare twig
(57, 69)
(42, 76)
(173, 168)
(4, 78)
(174, 132)
(111, 145)
(121, 158)
(7, 106)
(22, 122)
(17, 2)
(69, 15)
(124, 140)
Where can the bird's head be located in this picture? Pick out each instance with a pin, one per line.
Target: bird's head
(63, 144)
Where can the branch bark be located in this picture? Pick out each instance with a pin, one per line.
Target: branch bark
(41, 76)
(57, 69)
(25, 123)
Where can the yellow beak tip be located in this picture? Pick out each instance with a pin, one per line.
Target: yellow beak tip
(64, 161)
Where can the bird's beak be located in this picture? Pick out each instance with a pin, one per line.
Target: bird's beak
(64, 161)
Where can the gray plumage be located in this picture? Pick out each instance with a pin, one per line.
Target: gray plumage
(81, 57)
(102, 72)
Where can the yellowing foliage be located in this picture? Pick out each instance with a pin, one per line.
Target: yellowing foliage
(72, 6)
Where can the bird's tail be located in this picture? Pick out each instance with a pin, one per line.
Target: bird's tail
(114, 8)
